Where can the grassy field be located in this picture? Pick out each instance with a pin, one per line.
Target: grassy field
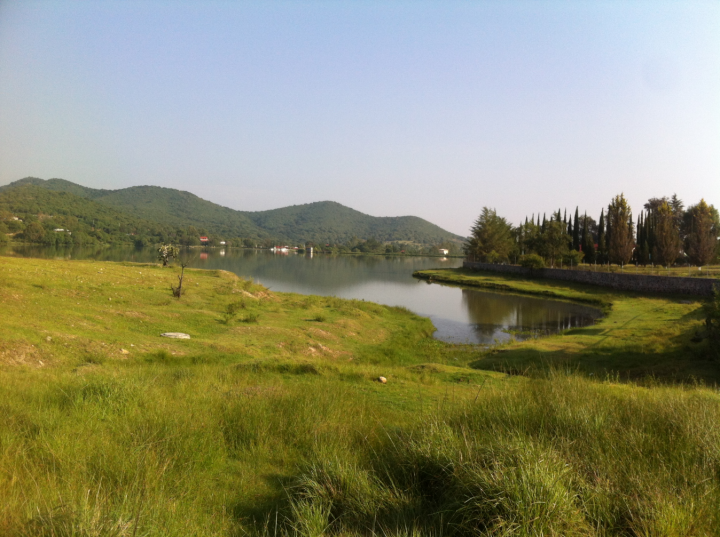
(270, 421)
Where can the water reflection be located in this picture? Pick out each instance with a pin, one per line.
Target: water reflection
(460, 315)
(495, 316)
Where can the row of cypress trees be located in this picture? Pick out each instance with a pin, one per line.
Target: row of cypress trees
(665, 232)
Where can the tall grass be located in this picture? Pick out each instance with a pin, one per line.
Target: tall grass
(559, 456)
(269, 448)
(278, 427)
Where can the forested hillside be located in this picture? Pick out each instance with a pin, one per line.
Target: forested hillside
(150, 213)
(40, 212)
(331, 222)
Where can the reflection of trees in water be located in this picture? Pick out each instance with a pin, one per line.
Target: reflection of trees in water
(97, 253)
(329, 273)
(492, 312)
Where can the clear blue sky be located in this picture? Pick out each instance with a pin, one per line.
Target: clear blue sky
(427, 108)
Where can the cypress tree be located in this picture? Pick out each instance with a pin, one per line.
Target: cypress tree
(620, 233)
(543, 223)
(633, 237)
(651, 232)
(642, 236)
(570, 228)
(602, 249)
(588, 245)
(576, 232)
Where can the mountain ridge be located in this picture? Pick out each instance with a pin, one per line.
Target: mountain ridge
(321, 221)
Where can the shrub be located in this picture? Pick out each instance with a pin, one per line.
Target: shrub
(250, 318)
(573, 258)
(532, 261)
(232, 309)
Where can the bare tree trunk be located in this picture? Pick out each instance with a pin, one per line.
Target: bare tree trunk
(177, 291)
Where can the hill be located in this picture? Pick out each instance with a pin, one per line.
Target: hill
(329, 221)
(88, 220)
(325, 221)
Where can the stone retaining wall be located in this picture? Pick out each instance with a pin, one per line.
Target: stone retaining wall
(618, 281)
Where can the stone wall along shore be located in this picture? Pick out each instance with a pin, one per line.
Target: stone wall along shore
(618, 281)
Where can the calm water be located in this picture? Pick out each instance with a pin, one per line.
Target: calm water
(460, 315)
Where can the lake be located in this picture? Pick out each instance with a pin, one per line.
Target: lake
(461, 315)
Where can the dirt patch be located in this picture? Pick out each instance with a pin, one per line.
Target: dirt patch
(319, 350)
(243, 292)
(318, 332)
(21, 353)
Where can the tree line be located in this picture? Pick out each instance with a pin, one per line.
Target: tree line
(664, 233)
(68, 231)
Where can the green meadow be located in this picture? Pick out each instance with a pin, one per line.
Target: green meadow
(270, 420)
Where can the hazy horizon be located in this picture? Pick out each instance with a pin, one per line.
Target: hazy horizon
(429, 109)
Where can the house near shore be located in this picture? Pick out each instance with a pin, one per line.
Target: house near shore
(443, 251)
(204, 240)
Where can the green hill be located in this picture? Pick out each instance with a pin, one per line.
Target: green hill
(319, 222)
(178, 208)
(88, 220)
(328, 221)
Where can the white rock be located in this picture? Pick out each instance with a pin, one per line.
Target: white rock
(175, 335)
(382, 380)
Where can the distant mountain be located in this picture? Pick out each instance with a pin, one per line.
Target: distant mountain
(328, 221)
(324, 221)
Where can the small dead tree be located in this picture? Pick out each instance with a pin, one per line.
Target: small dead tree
(177, 291)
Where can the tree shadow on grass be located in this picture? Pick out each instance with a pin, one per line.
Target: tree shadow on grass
(685, 360)
(261, 510)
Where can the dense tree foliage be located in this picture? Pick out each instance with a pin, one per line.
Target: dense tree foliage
(665, 233)
(622, 241)
(555, 242)
(701, 224)
(147, 215)
(491, 238)
(667, 236)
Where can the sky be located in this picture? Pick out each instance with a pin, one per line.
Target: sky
(433, 109)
